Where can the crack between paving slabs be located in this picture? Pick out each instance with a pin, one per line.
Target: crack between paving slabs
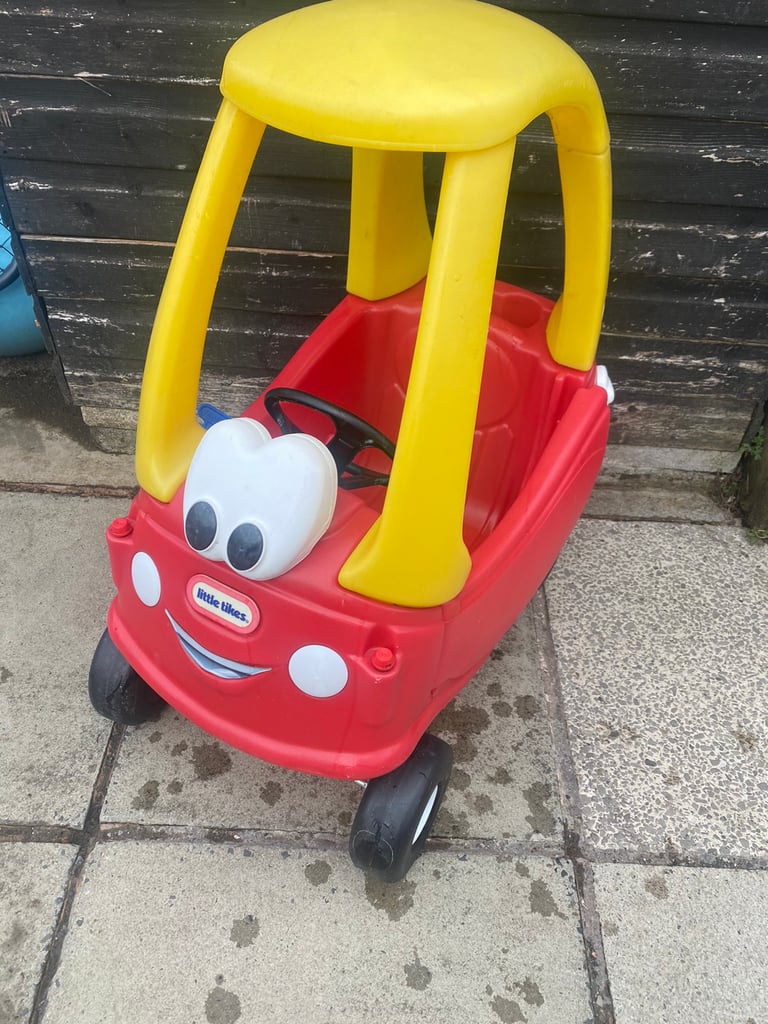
(126, 831)
(69, 490)
(678, 859)
(567, 783)
(89, 836)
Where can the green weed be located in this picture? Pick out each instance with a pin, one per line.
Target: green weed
(754, 448)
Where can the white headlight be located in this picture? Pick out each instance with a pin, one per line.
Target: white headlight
(146, 579)
(318, 671)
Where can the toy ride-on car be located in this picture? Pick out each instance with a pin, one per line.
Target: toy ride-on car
(313, 580)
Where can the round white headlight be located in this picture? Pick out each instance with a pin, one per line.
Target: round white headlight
(318, 671)
(146, 579)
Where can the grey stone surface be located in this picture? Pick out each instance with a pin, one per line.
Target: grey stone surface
(43, 440)
(660, 632)
(32, 880)
(34, 452)
(685, 944)
(184, 933)
(54, 591)
(638, 459)
(503, 783)
(671, 504)
(169, 772)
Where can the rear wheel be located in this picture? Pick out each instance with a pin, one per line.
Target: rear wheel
(398, 810)
(117, 692)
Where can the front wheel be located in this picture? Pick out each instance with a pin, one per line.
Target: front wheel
(398, 810)
(116, 690)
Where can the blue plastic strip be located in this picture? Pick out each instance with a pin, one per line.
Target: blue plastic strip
(207, 415)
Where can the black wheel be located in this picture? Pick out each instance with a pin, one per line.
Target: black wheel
(117, 692)
(351, 436)
(398, 810)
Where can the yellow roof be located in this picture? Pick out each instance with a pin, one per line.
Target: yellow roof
(427, 75)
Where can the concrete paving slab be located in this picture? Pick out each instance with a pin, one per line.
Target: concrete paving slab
(685, 944)
(628, 459)
(43, 440)
(54, 591)
(32, 881)
(169, 772)
(194, 934)
(667, 504)
(503, 782)
(33, 452)
(660, 635)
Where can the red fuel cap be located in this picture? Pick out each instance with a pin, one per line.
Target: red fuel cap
(382, 659)
(121, 527)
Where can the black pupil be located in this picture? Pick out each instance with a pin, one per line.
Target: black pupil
(200, 526)
(246, 543)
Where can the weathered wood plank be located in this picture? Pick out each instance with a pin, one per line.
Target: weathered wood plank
(126, 123)
(311, 284)
(278, 282)
(658, 426)
(668, 67)
(102, 334)
(119, 388)
(252, 12)
(678, 423)
(722, 12)
(663, 366)
(674, 241)
(681, 422)
(137, 40)
(721, 427)
(685, 160)
(697, 309)
(147, 205)
(138, 124)
(684, 241)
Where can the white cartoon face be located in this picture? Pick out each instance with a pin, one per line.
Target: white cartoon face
(257, 503)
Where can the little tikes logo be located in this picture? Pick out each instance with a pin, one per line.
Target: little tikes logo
(224, 605)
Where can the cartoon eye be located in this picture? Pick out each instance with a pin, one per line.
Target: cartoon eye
(245, 547)
(200, 525)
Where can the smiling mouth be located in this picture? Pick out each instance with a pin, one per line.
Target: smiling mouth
(224, 668)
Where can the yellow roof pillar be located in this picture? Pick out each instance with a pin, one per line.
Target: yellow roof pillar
(168, 431)
(415, 554)
(389, 235)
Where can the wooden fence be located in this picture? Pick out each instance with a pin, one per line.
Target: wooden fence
(105, 108)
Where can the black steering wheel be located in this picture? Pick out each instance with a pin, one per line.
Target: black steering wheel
(351, 435)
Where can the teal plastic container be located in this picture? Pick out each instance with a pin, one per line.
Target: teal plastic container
(19, 334)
